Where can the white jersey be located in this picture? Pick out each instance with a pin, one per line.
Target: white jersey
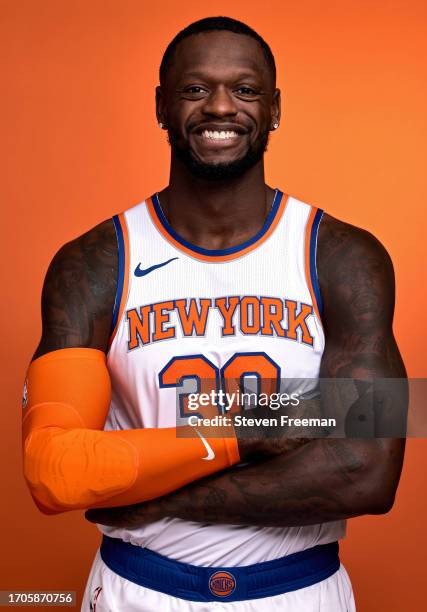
(184, 313)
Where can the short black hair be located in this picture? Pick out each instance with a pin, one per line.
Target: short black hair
(210, 24)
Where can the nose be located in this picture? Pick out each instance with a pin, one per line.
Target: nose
(220, 103)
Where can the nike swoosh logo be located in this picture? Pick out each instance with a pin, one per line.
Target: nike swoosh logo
(211, 454)
(139, 272)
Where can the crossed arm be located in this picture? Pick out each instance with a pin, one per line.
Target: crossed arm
(319, 481)
(324, 479)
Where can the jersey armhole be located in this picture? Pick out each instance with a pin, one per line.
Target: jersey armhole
(123, 273)
(311, 233)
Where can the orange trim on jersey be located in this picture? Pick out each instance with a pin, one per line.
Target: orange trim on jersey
(308, 229)
(125, 254)
(163, 228)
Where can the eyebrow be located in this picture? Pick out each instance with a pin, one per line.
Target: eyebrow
(203, 75)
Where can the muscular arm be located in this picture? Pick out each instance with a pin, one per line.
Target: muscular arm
(79, 292)
(69, 461)
(325, 479)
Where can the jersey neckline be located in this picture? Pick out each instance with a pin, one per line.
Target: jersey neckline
(216, 255)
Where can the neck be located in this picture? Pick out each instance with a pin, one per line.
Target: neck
(216, 214)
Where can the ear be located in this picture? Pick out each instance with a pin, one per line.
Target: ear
(276, 109)
(160, 108)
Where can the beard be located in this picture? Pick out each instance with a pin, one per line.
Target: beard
(222, 170)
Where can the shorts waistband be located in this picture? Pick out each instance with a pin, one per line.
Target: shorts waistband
(194, 583)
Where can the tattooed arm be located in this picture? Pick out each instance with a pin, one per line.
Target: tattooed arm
(79, 292)
(325, 479)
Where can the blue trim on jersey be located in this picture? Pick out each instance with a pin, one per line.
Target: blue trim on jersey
(313, 268)
(121, 270)
(215, 252)
(151, 570)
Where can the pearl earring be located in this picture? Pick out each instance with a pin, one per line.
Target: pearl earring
(275, 126)
(161, 125)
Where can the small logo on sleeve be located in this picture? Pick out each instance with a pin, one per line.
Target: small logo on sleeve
(211, 454)
(25, 395)
(222, 584)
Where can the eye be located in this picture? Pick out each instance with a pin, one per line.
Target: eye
(194, 89)
(193, 92)
(246, 92)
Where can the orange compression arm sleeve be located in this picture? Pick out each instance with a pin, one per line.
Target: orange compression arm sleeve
(71, 463)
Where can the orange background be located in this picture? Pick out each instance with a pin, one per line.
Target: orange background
(81, 143)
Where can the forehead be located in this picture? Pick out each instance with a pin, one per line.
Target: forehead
(219, 53)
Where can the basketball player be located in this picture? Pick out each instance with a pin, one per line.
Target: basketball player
(217, 277)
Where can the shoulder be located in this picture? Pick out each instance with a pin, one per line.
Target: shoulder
(355, 272)
(337, 236)
(79, 292)
(342, 246)
(100, 239)
(89, 262)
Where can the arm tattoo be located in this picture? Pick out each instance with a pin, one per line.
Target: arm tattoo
(79, 292)
(325, 479)
(357, 283)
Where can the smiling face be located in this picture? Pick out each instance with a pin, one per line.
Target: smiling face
(219, 103)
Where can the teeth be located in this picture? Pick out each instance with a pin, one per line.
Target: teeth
(219, 135)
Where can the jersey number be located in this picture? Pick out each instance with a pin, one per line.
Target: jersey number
(239, 374)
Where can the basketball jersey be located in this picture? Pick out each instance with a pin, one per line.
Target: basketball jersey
(184, 313)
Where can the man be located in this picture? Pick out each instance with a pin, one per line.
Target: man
(215, 279)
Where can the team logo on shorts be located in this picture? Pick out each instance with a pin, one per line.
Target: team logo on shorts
(222, 584)
(94, 598)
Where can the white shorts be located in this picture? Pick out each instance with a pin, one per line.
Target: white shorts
(106, 591)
